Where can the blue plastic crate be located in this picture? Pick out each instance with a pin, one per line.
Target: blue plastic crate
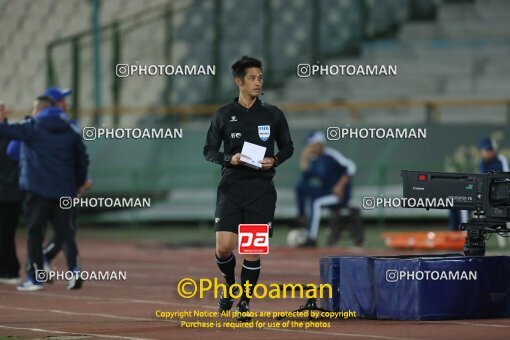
(361, 284)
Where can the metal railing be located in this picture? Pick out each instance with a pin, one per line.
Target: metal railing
(361, 20)
(431, 108)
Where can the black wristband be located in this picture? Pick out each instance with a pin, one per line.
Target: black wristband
(275, 161)
(227, 159)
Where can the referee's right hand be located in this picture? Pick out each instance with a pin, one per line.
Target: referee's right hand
(236, 159)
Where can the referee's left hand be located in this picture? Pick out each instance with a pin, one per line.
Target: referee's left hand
(267, 163)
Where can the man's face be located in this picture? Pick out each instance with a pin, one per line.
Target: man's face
(487, 154)
(251, 85)
(316, 149)
(36, 107)
(62, 104)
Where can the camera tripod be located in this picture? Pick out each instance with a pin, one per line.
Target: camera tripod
(477, 230)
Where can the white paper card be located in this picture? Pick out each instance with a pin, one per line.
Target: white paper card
(254, 152)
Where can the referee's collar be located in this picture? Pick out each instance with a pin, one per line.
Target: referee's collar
(240, 107)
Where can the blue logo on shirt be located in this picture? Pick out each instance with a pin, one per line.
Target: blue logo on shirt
(264, 132)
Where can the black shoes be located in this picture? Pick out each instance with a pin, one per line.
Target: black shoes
(243, 312)
(225, 302)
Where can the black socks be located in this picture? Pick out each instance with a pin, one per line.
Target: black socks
(250, 273)
(227, 267)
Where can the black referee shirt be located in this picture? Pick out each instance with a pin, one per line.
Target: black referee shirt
(233, 124)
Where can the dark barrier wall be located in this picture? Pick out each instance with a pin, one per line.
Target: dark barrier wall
(433, 287)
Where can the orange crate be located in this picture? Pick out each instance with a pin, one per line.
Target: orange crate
(442, 240)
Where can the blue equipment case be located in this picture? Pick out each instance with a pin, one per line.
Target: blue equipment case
(366, 285)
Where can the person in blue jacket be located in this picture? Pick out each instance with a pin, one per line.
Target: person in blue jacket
(59, 99)
(54, 164)
(490, 160)
(326, 181)
(53, 247)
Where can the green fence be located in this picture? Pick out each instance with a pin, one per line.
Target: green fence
(283, 33)
(148, 166)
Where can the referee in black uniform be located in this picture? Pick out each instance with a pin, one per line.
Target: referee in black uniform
(245, 195)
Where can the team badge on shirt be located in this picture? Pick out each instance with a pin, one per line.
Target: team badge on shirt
(264, 132)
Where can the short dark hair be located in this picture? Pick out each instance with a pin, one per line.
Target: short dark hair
(46, 100)
(240, 66)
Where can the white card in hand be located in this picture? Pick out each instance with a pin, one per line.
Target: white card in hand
(254, 154)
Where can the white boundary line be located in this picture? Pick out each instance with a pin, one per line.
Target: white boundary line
(338, 334)
(192, 269)
(41, 330)
(94, 298)
(209, 307)
(57, 311)
(191, 305)
(151, 320)
(471, 323)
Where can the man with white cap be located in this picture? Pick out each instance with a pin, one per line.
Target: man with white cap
(325, 182)
(490, 160)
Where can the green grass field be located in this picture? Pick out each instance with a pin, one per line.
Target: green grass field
(177, 236)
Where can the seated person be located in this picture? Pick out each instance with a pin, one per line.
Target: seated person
(326, 181)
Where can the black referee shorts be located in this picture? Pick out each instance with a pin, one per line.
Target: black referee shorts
(244, 201)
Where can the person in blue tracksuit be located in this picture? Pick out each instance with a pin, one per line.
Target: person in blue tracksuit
(58, 97)
(326, 181)
(53, 247)
(491, 160)
(54, 164)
